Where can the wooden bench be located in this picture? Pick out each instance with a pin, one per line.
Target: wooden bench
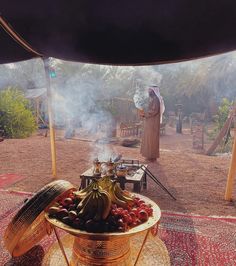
(129, 129)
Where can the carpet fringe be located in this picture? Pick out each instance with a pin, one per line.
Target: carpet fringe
(197, 215)
(17, 192)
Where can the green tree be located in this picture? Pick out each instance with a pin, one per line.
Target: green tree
(16, 120)
(199, 83)
(25, 74)
(223, 112)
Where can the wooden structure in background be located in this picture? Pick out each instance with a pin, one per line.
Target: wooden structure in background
(179, 117)
(198, 136)
(125, 109)
(37, 97)
(232, 168)
(221, 134)
(127, 116)
(171, 118)
(195, 118)
(130, 129)
(197, 127)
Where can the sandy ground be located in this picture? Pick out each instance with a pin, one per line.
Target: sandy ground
(196, 180)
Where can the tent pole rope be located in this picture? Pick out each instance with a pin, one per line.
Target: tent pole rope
(50, 116)
(16, 37)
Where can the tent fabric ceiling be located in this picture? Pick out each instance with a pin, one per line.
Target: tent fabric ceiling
(124, 32)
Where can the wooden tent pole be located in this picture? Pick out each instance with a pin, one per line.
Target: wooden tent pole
(231, 173)
(50, 117)
(221, 134)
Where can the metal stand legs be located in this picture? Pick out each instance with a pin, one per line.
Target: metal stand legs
(149, 173)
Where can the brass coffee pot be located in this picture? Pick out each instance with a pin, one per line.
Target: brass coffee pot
(110, 168)
(97, 167)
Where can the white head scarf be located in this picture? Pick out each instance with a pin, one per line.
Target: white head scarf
(162, 105)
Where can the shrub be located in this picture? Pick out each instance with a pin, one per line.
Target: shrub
(16, 119)
(223, 113)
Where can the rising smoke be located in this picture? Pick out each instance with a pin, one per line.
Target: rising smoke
(78, 103)
(78, 98)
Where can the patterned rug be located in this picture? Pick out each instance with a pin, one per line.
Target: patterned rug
(199, 240)
(9, 179)
(190, 239)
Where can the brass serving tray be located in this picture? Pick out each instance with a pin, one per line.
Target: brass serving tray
(93, 236)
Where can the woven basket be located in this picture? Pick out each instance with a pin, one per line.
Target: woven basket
(29, 225)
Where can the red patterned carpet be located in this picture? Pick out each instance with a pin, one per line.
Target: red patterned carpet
(190, 239)
(199, 240)
(9, 179)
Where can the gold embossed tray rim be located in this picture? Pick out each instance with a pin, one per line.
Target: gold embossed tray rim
(142, 227)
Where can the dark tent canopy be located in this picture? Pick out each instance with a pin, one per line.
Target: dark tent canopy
(118, 31)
